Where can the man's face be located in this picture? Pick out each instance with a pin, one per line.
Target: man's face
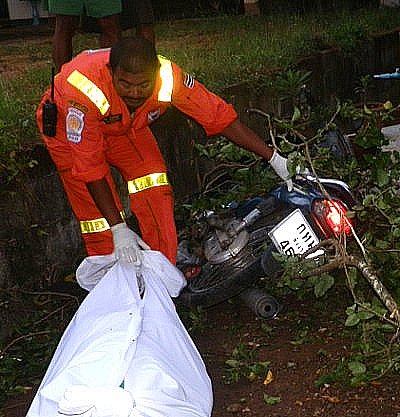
(134, 89)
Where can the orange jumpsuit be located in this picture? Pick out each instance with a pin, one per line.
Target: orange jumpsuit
(96, 131)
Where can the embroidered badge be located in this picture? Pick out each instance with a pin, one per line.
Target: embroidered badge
(112, 118)
(74, 124)
(153, 115)
(78, 106)
(188, 81)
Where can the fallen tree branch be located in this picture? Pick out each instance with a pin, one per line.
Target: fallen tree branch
(366, 270)
(25, 336)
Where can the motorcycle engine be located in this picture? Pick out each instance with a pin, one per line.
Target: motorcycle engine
(226, 243)
(226, 247)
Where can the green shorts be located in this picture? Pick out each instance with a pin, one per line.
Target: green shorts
(92, 8)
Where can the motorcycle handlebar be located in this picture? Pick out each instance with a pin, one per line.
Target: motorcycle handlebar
(389, 75)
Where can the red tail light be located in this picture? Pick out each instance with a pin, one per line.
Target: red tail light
(331, 217)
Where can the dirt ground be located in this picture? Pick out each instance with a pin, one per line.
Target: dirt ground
(305, 341)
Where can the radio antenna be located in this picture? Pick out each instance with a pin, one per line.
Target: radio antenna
(49, 112)
(52, 83)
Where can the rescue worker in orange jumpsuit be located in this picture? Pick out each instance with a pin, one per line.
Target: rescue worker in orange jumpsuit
(106, 100)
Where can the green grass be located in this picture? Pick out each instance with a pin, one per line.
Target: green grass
(227, 50)
(218, 51)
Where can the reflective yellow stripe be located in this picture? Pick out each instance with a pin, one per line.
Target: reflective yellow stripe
(90, 90)
(148, 181)
(167, 80)
(96, 225)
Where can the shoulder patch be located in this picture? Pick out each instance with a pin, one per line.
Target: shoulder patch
(188, 80)
(112, 118)
(78, 106)
(153, 115)
(74, 124)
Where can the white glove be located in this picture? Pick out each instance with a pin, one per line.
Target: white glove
(127, 244)
(279, 164)
(82, 401)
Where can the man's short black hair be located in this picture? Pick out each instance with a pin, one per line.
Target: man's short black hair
(134, 54)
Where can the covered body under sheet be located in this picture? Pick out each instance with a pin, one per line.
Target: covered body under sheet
(123, 355)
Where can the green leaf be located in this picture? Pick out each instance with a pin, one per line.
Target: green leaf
(357, 368)
(382, 177)
(382, 244)
(367, 110)
(396, 232)
(351, 309)
(260, 368)
(387, 105)
(296, 114)
(352, 274)
(270, 400)
(365, 315)
(232, 363)
(378, 308)
(295, 284)
(388, 328)
(324, 283)
(368, 200)
(352, 320)
(380, 367)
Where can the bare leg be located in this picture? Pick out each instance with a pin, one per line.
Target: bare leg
(62, 39)
(110, 30)
(144, 19)
(146, 30)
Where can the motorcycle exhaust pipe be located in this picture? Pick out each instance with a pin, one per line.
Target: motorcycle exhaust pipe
(264, 306)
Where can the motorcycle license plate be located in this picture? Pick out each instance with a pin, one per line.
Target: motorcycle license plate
(294, 235)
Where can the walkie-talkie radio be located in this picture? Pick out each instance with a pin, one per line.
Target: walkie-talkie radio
(49, 113)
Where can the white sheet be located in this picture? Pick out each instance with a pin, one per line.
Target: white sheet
(117, 337)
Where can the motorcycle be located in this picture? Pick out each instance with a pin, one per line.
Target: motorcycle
(234, 248)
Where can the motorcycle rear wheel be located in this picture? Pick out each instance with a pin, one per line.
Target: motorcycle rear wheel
(218, 283)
